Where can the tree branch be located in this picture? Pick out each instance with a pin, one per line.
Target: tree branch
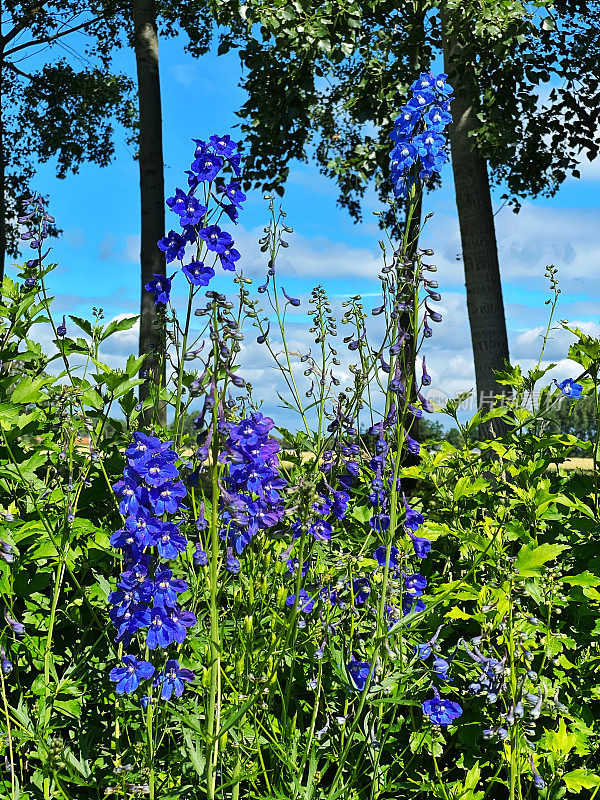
(20, 72)
(55, 36)
(23, 23)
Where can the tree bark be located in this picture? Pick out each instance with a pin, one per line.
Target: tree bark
(152, 188)
(485, 305)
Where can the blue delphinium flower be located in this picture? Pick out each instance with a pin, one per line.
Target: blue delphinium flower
(161, 631)
(223, 145)
(157, 470)
(207, 166)
(147, 591)
(361, 589)
(166, 588)
(380, 556)
(305, 601)
(129, 677)
(190, 210)
(570, 389)
(252, 500)
(160, 287)
(421, 545)
(228, 257)
(413, 519)
(166, 498)
(441, 711)
(171, 681)
(198, 274)
(173, 246)
(233, 193)
(169, 541)
(182, 620)
(415, 584)
(216, 239)
(418, 131)
(359, 672)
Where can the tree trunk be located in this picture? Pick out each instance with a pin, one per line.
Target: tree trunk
(152, 188)
(477, 232)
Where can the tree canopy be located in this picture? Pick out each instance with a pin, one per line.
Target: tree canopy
(325, 81)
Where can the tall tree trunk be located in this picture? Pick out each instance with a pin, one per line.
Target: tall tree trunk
(152, 186)
(477, 232)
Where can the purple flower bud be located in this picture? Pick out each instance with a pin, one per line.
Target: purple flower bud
(61, 331)
(291, 300)
(15, 626)
(538, 781)
(6, 551)
(426, 379)
(5, 664)
(232, 564)
(263, 337)
(200, 557)
(435, 316)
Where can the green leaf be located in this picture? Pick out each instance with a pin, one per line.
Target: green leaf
(584, 579)
(579, 779)
(124, 387)
(561, 742)
(118, 325)
(84, 324)
(133, 364)
(71, 708)
(465, 487)
(195, 751)
(530, 560)
(362, 513)
(92, 398)
(29, 390)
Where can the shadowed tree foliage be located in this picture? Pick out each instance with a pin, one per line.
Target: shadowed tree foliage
(326, 82)
(51, 106)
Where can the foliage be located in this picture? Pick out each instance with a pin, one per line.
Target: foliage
(323, 82)
(329, 654)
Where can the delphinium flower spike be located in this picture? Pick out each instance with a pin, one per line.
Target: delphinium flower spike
(147, 592)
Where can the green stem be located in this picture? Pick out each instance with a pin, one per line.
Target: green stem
(9, 738)
(186, 331)
(214, 703)
(150, 748)
(48, 657)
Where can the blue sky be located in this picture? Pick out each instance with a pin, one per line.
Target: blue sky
(98, 210)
